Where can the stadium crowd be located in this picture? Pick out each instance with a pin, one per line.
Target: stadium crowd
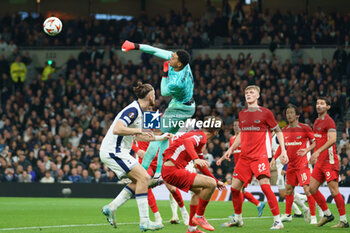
(228, 26)
(51, 128)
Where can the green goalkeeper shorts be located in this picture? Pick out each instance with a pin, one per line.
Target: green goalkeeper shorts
(175, 116)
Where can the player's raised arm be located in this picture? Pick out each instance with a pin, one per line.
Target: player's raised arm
(165, 54)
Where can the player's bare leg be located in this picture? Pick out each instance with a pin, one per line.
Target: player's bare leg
(321, 201)
(207, 187)
(175, 193)
(264, 182)
(237, 201)
(338, 198)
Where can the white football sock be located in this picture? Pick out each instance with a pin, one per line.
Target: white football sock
(300, 196)
(122, 197)
(320, 211)
(296, 209)
(300, 202)
(173, 206)
(327, 212)
(277, 218)
(238, 217)
(158, 218)
(142, 204)
(343, 218)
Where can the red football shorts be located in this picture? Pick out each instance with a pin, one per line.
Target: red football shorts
(246, 168)
(180, 178)
(325, 172)
(295, 177)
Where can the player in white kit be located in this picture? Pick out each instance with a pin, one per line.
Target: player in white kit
(115, 153)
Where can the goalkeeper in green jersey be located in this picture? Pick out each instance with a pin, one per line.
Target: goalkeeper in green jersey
(178, 83)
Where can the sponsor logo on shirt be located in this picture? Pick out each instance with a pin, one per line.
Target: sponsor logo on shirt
(298, 137)
(251, 128)
(318, 135)
(293, 143)
(257, 121)
(237, 151)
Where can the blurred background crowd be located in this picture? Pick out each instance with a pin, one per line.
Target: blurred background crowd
(52, 125)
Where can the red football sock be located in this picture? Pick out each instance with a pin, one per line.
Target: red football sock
(152, 201)
(202, 204)
(271, 199)
(312, 205)
(251, 198)
(321, 201)
(193, 209)
(237, 200)
(178, 198)
(339, 201)
(289, 203)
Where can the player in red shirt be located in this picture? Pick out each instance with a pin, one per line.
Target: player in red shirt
(140, 148)
(256, 124)
(236, 154)
(185, 149)
(297, 137)
(327, 164)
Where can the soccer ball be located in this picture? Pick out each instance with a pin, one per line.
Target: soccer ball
(52, 26)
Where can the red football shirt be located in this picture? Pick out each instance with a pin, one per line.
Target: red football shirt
(297, 138)
(177, 152)
(321, 127)
(256, 125)
(237, 152)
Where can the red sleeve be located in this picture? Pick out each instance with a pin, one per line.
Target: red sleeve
(206, 171)
(331, 124)
(192, 143)
(278, 153)
(270, 119)
(134, 147)
(310, 133)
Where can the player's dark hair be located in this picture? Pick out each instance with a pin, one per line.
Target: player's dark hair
(292, 106)
(141, 90)
(184, 57)
(325, 99)
(215, 125)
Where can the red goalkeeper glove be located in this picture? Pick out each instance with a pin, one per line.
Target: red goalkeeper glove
(127, 46)
(165, 69)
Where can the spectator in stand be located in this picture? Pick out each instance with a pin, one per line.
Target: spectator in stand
(47, 178)
(347, 129)
(74, 177)
(24, 177)
(343, 141)
(18, 73)
(85, 178)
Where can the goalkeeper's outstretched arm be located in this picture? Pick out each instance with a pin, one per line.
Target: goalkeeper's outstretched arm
(165, 54)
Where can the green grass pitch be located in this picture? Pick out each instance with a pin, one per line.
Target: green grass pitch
(73, 215)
